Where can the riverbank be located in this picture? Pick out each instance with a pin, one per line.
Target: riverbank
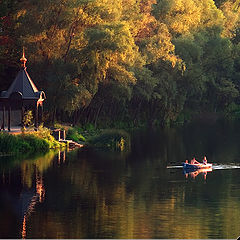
(109, 139)
(41, 141)
(28, 142)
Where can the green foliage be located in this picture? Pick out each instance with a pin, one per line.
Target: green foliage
(8, 143)
(116, 140)
(133, 62)
(75, 135)
(232, 111)
(35, 143)
(45, 133)
(90, 127)
(38, 142)
(28, 119)
(22, 144)
(186, 17)
(183, 117)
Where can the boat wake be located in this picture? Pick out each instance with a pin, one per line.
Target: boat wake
(174, 166)
(225, 166)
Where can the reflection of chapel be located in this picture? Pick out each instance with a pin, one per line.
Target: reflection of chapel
(21, 96)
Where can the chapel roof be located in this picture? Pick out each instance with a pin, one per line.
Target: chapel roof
(24, 85)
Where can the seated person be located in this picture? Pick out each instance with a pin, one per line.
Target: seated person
(204, 160)
(194, 161)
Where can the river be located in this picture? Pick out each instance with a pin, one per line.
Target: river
(142, 193)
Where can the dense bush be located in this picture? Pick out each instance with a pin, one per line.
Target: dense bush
(111, 139)
(18, 144)
(75, 135)
(45, 134)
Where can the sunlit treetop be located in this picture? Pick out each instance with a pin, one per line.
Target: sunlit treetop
(187, 16)
(231, 11)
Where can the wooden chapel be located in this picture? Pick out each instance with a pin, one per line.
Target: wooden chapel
(22, 95)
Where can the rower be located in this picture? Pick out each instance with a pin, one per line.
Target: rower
(204, 160)
(194, 161)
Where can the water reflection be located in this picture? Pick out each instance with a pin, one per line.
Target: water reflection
(88, 194)
(22, 188)
(28, 168)
(61, 157)
(194, 173)
(38, 197)
(103, 198)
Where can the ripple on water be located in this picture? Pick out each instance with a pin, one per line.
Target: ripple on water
(225, 166)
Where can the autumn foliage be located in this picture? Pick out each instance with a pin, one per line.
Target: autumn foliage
(105, 61)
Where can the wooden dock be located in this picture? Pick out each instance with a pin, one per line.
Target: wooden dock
(71, 144)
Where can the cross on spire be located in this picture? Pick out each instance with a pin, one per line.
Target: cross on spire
(23, 59)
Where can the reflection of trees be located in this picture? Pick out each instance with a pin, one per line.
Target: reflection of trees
(94, 195)
(217, 141)
(28, 167)
(173, 146)
(98, 198)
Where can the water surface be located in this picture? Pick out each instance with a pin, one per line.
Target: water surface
(138, 194)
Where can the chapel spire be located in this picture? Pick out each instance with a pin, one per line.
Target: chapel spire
(23, 59)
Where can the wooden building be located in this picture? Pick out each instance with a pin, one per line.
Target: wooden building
(22, 95)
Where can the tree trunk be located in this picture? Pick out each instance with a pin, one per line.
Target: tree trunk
(96, 118)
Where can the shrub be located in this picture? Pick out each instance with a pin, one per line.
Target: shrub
(45, 134)
(23, 147)
(232, 111)
(28, 119)
(14, 144)
(36, 144)
(117, 140)
(7, 143)
(90, 127)
(75, 135)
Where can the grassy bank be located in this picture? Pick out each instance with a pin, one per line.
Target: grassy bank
(111, 139)
(28, 143)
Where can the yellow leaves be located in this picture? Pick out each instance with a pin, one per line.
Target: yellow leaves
(160, 46)
(120, 74)
(87, 18)
(47, 47)
(187, 16)
(146, 27)
(112, 8)
(183, 16)
(232, 16)
(210, 15)
(113, 53)
(146, 6)
(236, 5)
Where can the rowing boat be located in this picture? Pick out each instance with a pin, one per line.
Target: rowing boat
(197, 166)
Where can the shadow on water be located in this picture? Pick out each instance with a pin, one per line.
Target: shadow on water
(97, 194)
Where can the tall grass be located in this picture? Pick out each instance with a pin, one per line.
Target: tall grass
(27, 143)
(21, 144)
(114, 139)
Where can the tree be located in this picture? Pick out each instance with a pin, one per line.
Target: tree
(232, 16)
(185, 17)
